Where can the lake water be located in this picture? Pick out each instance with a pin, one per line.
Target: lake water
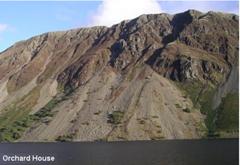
(165, 152)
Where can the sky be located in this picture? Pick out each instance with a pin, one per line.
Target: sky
(22, 20)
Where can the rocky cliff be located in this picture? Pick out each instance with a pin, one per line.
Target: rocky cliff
(144, 79)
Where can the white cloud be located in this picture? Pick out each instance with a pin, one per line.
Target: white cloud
(114, 11)
(3, 27)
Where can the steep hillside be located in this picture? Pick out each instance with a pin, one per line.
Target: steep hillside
(154, 77)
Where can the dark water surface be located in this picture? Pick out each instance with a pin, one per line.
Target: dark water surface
(166, 152)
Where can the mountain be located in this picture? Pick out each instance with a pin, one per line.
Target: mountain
(158, 76)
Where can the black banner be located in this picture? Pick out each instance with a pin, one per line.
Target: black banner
(166, 152)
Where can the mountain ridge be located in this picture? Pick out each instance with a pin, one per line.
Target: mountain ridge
(144, 79)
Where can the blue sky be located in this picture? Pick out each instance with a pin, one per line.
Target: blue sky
(22, 20)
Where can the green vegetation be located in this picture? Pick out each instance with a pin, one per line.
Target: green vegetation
(201, 96)
(216, 77)
(68, 90)
(227, 118)
(157, 137)
(17, 119)
(187, 110)
(141, 121)
(205, 100)
(104, 139)
(224, 118)
(210, 123)
(192, 90)
(115, 117)
(46, 111)
(14, 131)
(178, 106)
(85, 123)
(97, 113)
(121, 137)
(65, 138)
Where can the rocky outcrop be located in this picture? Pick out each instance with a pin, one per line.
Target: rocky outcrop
(231, 85)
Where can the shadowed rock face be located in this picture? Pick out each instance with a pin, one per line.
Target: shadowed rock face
(166, 43)
(124, 68)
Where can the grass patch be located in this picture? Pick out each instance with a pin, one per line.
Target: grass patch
(85, 123)
(104, 139)
(16, 119)
(14, 131)
(187, 110)
(97, 113)
(191, 89)
(115, 117)
(160, 137)
(64, 138)
(210, 123)
(201, 96)
(178, 106)
(228, 112)
(224, 118)
(141, 122)
(46, 111)
(205, 100)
